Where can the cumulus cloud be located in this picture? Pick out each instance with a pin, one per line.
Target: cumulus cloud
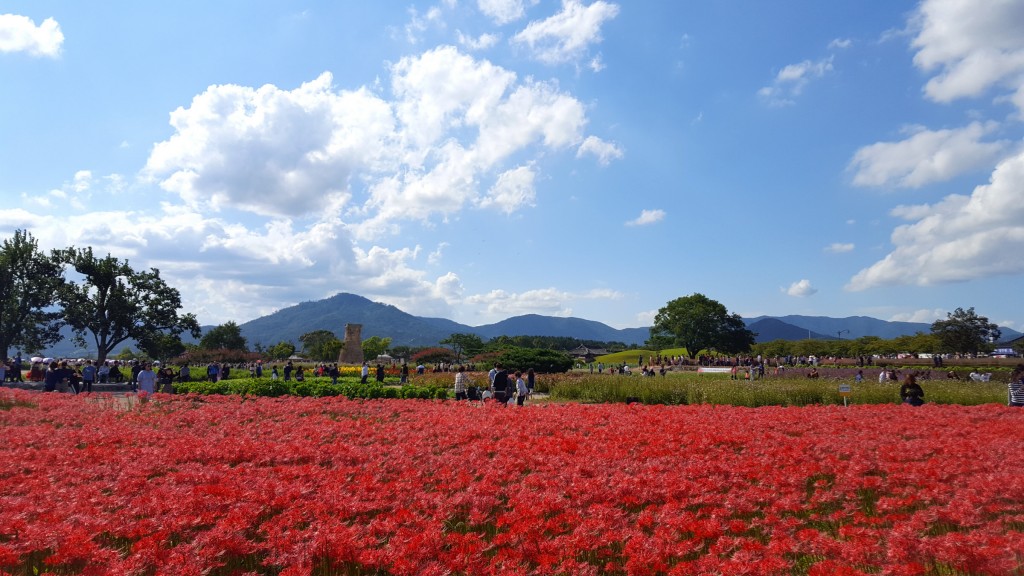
(566, 36)
(801, 289)
(513, 190)
(791, 80)
(452, 123)
(227, 271)
(604, 151)
(647, 217)
(272, 151)
(957, 239)
(927, 156)
(972, 50)
(839, 247)
(305, 181)
(20, 34)
(840, 43)
(547, 301)
(504, 11)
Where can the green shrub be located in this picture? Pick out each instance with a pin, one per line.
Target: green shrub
(540, 360)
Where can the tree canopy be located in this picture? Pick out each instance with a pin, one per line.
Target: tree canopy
(375, 346)
(698, 323)
(464, 345)
(114, 303)
(321, 345)
(227, 336)
(964, 332)
(281, 350)
(29, 284)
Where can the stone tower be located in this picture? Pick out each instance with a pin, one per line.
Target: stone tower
(352, 351)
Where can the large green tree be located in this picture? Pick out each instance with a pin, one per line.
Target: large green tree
(29, 284)
(375, 346)
(281, 350)
(464, 345)
(227, 336)
(114, 303)
(964, 332)
(321, 345)
(162, 346)
(698, 323)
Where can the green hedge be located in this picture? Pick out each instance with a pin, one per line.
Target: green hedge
(311, 387)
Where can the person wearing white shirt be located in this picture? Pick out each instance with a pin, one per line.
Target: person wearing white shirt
(147, 380)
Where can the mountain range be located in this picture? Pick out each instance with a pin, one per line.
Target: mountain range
(404, 329)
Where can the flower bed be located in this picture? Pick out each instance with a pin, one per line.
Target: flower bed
(233, 485)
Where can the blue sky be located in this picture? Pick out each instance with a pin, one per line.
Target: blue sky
(481, 159)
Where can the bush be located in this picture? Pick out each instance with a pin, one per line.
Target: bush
(542, 361)
(313, 387)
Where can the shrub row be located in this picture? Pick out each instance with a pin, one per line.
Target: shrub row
(313, 387)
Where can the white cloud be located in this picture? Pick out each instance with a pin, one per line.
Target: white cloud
(504, 11)
(435, 257)
(973, 50)
(1011, 324)
(958, 239)
(604, 151)
(647, 217)
(927, 316)
(801, 289)
(272, 151)
(646, 318)
(481, 42)
(839, 247)
(12, 219)
(791, 80)
(840, 43)
(547, 301)
(513, 190)
(596, 64)
(20, 34)
(452, 124)
(420, 23)
(566, 36)
(927, 156)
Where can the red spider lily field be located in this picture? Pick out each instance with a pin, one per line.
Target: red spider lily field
(233, 485)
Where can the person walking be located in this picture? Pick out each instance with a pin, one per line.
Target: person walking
(461, 384)
(522, 391)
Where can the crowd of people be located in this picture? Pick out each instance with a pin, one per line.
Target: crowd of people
(503, 386)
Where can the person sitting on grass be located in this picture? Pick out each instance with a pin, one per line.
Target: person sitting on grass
(911, 392)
